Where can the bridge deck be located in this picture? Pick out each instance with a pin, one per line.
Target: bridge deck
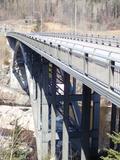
(96, 66)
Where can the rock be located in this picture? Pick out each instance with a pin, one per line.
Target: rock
(10, 96)
(10, 114)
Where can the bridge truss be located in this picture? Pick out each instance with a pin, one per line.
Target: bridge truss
(47, 67)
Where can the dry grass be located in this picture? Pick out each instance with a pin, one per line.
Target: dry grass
(2, 41)
(105, 33)
(18, 25)
(4, 51)
(57, 27)
(2, 47)
(21, 26)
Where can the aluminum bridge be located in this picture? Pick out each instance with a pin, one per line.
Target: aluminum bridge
(67, 117)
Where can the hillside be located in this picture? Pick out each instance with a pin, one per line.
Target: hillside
(86, 14)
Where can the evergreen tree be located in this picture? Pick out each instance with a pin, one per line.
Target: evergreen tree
(113, 154)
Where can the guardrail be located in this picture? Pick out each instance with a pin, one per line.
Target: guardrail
(96, 39)
(100, 64)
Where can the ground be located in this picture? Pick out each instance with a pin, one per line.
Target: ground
(21, 26)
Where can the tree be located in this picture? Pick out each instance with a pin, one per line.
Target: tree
(113, 154)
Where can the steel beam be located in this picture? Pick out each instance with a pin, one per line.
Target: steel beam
(95, 126)
(39, 111)
(113, 122)
(45, 109)
(36, 101)
(33, 80)
(73, 98)
(39, 124)
(53, 114)
(65, 147)
(75, 107)
(85, 123)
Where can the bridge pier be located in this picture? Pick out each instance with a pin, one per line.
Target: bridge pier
(45, 108)
(85, 123)
(40, 105)
(37, 75)
(75, 106)
(113, 122)
(33, 74)
(95, 126)
(53, 114)
(65, 139)
(35, 96)
(39, 124)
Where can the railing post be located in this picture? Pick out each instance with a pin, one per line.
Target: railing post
(70, 58)
(44, 46)
(111, 74)
(50, 48)
(86, 64)
(53, 114)
(58, 52)
(65, 146)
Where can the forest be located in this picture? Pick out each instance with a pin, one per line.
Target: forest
(92, 14)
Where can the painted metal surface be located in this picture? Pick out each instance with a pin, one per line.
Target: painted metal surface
(96, 39)
(90, 63)
(49, 63)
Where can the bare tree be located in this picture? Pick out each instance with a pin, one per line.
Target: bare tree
(72, 12)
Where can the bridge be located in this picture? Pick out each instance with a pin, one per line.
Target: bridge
(67, 119)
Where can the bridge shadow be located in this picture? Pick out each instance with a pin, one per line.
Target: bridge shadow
(40, 72)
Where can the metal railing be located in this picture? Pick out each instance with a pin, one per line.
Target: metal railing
(96, 39)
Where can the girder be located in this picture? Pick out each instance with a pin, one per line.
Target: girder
(19, 67)
(51, 66)
(91, 65)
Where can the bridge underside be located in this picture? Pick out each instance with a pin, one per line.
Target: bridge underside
(66, 120)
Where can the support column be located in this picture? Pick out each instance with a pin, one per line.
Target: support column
(53, 114)
(65, 147)
(95, 126)
(45, 108)
(75, 107)
(35, 95)
(33, 79)
(113, 122)
(85, 123)
(39, 113)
